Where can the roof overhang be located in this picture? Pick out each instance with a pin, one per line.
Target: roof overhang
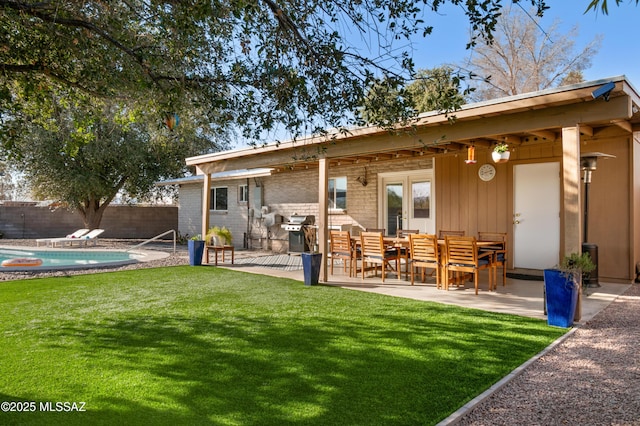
(527, 118)
(229, 175)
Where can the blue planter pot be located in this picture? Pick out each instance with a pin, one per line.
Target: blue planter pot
(311, 263)
(561, 298)
(196, 250)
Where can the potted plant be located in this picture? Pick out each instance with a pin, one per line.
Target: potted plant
(562, 286)
(312, 260)
(196, 250)
(219, 236)
(501, 153)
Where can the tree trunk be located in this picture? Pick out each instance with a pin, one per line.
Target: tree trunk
(92, 210)
(91, 213)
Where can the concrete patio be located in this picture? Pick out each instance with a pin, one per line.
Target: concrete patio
(518, 296)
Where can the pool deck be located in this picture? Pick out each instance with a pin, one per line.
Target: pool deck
(35, 252)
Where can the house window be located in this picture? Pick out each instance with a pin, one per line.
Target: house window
(243, 193)
(421, 196)
(219, 199)
(338, 193)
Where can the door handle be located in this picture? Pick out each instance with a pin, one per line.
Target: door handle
(516, 222)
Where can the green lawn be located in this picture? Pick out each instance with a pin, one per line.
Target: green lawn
(202, 345)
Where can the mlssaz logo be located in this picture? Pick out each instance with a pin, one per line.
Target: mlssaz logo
(62, 406)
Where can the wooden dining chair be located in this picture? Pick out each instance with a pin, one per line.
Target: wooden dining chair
(402, 233)
(499, 249)
(405, 251)
(382, 230)
(442, 234)
(463, 256)
(374, 252)
(341, 247)
(424, 254)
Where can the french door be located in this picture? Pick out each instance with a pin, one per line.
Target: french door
(407, 201)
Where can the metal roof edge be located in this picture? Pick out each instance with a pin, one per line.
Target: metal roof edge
(230, 175)
(550, 91)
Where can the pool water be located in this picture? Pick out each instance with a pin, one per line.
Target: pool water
(68, 259)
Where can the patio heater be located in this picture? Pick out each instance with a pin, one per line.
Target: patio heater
(588, 163)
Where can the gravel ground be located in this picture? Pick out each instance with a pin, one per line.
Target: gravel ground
(590, 378)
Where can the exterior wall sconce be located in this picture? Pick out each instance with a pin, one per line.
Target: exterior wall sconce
(363, 179)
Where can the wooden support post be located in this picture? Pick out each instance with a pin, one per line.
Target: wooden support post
(323, 213)
(206, 201)
(571, 204)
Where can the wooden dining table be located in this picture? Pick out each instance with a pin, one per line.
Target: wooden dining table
(404, 243)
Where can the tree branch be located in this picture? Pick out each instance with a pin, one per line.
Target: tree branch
(286, 22)
(49, 14)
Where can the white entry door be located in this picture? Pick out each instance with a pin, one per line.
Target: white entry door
(536, 218)
(407, 201)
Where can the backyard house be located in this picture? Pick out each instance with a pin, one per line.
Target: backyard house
(422, 179)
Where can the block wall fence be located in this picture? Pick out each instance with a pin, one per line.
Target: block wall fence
(126, 222)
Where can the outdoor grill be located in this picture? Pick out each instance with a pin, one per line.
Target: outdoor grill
(297, 242)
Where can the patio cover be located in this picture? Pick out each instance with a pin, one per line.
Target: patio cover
(566, 113)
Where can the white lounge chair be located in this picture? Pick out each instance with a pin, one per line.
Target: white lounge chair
(90, 236)
(47, 241)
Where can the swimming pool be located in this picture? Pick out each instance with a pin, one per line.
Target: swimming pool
(68, 259)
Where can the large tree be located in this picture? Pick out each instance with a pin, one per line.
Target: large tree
(436, 89)
(85, 85)
(522, 57)
(7, 186)
(84, 82)
(86, 151)
(257, 65)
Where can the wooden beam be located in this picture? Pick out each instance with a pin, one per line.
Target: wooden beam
(571, 190)
(545, 135)
(571, 204)
(482, 143)
(586, 130)
(510, 139)
(478, 143)
(623, 124)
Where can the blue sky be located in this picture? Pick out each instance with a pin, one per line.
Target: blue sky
(619, 53)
